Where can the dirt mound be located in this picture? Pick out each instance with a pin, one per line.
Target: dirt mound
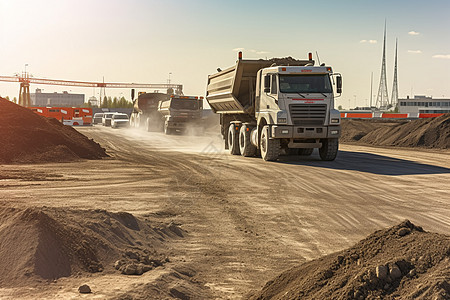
(29, 138)
(177, 284)
(426, 133)
(286, 61)
(49, 243)
(401, 262)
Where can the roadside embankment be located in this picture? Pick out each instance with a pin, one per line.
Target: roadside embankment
(424, 133)
(29, 138)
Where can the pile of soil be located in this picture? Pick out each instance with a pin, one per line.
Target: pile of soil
(38, 244)
(287, 61)
(426, 133)
(401, 262)
(29, 138)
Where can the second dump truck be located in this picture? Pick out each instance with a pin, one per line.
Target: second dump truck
(269, 105)
(166, 112)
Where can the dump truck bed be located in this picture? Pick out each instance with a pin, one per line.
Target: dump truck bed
(148, 102)
(232, 91)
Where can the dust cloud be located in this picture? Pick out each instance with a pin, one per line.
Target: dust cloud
(195, 140)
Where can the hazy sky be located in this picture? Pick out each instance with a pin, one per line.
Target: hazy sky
(145, 40)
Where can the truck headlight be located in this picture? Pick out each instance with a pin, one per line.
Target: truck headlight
(281, 117)
(334, 132)
(335, 121)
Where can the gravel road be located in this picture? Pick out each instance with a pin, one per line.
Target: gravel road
(247, 220)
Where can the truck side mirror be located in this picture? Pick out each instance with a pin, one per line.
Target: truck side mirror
(267, 84)
(132, 94)
(339, 85)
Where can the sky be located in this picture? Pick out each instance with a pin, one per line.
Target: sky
(144, 41)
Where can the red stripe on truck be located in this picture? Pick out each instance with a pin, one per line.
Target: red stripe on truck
(307, 99)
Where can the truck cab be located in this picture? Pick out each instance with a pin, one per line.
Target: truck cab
(180, 112)
(298, 104)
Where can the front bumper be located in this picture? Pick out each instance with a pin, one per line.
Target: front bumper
(121, 124)
(303, 132)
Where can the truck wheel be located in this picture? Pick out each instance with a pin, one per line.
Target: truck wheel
(305, 151)
(270, 148)
(245, 145)
(147, 125)
(292, 151)
(167, 130)
(233, 140)
(329, 149)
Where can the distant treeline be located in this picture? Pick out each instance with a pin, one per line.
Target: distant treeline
(115, 102)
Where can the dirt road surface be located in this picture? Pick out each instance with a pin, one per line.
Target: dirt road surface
(246, 220)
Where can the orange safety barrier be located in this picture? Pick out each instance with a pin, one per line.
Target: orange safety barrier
(394, 116)
(360, 115)
(430, 115)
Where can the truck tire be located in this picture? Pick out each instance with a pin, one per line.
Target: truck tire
(270, 148)
(329, 149)
(233, 140)
(167, 130)
(292, 151)
(148, 125)
(305, 151)
(245, 145)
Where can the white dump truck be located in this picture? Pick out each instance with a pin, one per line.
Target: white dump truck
(267, 106)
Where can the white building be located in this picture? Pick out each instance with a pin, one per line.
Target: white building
(423, 104)
(56, 99)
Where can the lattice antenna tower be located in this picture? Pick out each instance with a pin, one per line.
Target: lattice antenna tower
(394, 95)
(382, 97)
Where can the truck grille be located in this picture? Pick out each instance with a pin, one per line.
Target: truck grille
(308, 115)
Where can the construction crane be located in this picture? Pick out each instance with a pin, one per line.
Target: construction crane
(25, 80)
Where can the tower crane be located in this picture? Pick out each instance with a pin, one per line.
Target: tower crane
(25, 80)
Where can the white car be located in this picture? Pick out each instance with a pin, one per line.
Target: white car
(106, 119)
(97, 118)
(120, 120)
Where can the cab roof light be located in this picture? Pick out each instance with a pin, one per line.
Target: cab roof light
(329, 69)
(240, 55)
(310, 56)
(283, 69)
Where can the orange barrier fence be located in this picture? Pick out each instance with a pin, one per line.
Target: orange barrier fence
(377, 115)
(394, 116)
(429, 115)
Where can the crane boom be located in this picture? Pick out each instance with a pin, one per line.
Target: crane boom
(177, 87)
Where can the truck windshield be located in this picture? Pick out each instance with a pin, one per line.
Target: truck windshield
(184, 104)
(311, 83)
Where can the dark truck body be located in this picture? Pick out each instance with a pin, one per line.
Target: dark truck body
(181, 112)
(171, 113)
